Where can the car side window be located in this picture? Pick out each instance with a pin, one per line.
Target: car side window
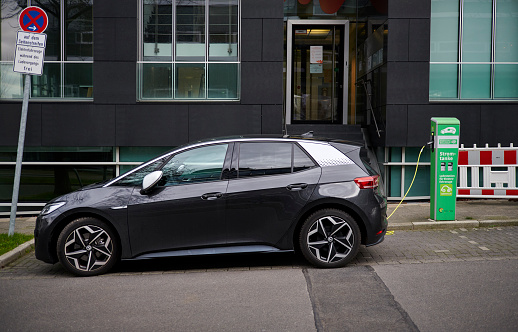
(264, 158)
(135, 178)
(301, 161)
(196, 165)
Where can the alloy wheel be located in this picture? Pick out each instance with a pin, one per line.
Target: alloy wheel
(330, 239)
(88, 248)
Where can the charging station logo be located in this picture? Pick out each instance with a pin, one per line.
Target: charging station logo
(449, 130)
(446, 190)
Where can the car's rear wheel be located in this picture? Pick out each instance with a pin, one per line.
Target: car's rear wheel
(329, 238)
(87, 247)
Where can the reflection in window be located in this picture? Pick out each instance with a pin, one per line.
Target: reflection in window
(256, 159)
(223, 34)
(190, 29)
(158, 23)
(197, 165)
(203, 61)
(43, 183)
(190, 81)
(135, 178)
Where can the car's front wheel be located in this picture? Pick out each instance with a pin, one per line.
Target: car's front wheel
(329, 238)
(87, 247)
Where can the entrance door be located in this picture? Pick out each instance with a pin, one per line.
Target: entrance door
(316, 90)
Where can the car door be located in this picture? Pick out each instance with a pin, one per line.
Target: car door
(271, 182)
(186, 209)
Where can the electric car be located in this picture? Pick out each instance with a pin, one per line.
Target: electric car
(220, 196)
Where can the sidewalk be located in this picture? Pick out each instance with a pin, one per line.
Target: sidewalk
(470, 213)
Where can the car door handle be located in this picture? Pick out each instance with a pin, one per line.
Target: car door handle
(211, 196)
(297, 186)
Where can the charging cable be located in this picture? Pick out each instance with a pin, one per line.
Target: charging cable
(418, 157)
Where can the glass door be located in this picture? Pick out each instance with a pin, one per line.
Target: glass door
(317, 65)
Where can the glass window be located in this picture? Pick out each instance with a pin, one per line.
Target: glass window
(190, 30)
(197, 165)
(135, 178)
(202, 63)
(157, 31)
(301, 161)
(473, 50)
(444, 30)
(257, 159)
(506, 50)
(223, 25)
(43, 183)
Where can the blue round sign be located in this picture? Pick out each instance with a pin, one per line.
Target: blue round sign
(33, 19)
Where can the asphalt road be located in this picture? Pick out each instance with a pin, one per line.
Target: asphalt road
(454, 280)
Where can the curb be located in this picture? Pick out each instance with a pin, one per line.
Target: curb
(430, 225)
(16, 253)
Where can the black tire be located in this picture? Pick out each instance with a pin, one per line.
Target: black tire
(329, 238)
(88, 247)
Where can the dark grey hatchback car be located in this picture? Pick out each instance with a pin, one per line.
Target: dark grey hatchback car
(234, 195)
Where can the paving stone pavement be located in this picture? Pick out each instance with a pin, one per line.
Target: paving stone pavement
(401, 247)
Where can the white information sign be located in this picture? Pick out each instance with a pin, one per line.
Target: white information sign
(29, 53)
(316, 54)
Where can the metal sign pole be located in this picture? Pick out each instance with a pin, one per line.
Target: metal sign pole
(19, 155)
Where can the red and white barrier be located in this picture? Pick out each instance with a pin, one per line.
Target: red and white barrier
(488, 172)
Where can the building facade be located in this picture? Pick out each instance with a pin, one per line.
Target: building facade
(125, 80)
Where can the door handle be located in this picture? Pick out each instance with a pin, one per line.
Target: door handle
(297, 186)
(211, 196)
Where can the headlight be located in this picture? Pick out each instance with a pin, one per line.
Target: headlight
(49, 208)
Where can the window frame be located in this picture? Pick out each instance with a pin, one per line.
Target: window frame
(174, 61)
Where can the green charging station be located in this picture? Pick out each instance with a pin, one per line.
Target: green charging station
(445, 134)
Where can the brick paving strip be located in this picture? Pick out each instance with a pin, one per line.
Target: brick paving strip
(401, 247)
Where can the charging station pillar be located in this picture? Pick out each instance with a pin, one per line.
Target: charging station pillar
(445, 134)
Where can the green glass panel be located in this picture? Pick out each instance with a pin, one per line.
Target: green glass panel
(476, 81)
(190, 81)
(443, 81)
(506, 81)
(47, 85)
(11, 83)
(395, 181)
(421, 186)
(476, 38)
(42, 183)
(444, 31)
(506, 47)
(78, 80)
(139, 153)
(395, 155)
(156, 80)
(223, 80)
(411, 155)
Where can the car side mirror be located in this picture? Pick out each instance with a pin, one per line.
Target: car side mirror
(150, 181)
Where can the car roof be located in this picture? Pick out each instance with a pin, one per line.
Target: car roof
(274, 138)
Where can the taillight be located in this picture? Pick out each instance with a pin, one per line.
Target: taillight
(368, 182)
